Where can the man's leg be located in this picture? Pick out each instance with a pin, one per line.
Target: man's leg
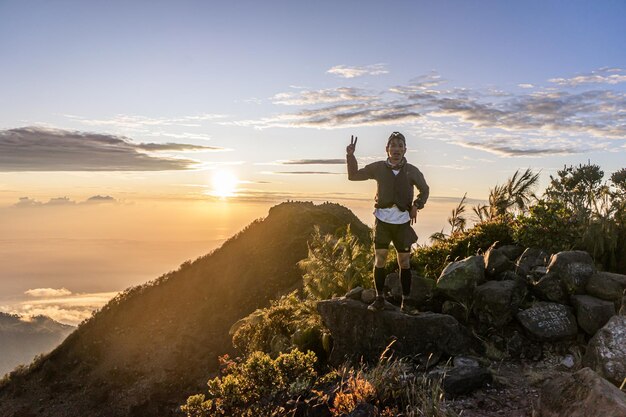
(379, 270)
(404, 262)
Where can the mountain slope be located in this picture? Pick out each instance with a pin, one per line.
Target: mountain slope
(21, 340)
(153, 345)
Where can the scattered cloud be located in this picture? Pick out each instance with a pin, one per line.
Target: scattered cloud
(59, 304)
(304, 173)
(329, 95)
(600, 76)
(97, 199)
(138, 122)
(346, 71)
(314, 162)
(26, 202)
(48, 292)
(536, 121)
(44, 149)
(507, 147)
(176, 147)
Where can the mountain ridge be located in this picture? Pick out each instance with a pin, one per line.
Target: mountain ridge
(154, 344)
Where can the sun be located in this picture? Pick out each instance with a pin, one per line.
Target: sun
(224, 184)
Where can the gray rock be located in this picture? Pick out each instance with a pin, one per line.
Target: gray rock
(568, 362)
(465, 379)
(496, 262)
(354, 293)
(511, 251)
(549, 288)
(458, 279)
(358, 332)
(606, 351)
(466, 361)
(581, 394)
(531, 258)
(496, 302)
(549, 321)
(421, 288)
(607, 286)
(574, 269)
(455, 309)
(368, 296)
(592, 313)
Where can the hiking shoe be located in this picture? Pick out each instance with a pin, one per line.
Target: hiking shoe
(408, 306)
(378, 304)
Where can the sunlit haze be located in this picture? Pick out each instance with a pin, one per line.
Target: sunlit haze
(137, 135)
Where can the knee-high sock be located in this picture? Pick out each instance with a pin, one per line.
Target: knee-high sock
(405, 279)
(379, 280)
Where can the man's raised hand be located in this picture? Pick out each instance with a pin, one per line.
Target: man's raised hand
(352, 146)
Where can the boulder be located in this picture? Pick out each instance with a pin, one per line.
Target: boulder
(368, 295)
(358, 332)
(549, 288)
(511, 251)
(591, 312)
(456, 310)
(354, 293)
(462, 380)
(581, 394)
(531, 258)
(421, 288)
(496, 262)
(458, 279)
(607, 286)
(496, 302)
(573, 268)
(606, 351)
(549, 321)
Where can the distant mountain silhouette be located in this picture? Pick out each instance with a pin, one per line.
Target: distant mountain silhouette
(22, 339)
(154, 345)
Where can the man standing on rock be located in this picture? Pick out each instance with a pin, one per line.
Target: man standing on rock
(395, 211)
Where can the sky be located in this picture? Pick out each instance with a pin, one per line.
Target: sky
(137, 135)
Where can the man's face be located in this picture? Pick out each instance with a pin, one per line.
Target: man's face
(396, 150)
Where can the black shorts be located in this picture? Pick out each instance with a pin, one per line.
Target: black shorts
(402, 236)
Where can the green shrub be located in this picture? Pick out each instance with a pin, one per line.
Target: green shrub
(288, 323)
(258, 386)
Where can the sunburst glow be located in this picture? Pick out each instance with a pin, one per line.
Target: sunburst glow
(224, 184)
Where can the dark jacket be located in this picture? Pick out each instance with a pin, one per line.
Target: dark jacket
(392, 189)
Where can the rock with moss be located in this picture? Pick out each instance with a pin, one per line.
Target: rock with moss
(581, 394)
(458, 279)
(591, 312)
(606, 351)
(497, 302)
(549, 322)
(574, 269)
(358, 332)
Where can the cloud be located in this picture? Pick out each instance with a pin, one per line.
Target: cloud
(304, 173)
(314, 162)
(97, 199)
(138, 122)
(48, 292)
(176, 147)
(27, 202)
(345, 71)
(60, 305)
(44, 149)
(330, 95)
(600, 76)
(510, 148)
(525, 85)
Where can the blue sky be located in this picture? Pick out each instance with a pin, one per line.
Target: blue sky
(149, 100)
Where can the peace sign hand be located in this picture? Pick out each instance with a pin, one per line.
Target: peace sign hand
(352, 146)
